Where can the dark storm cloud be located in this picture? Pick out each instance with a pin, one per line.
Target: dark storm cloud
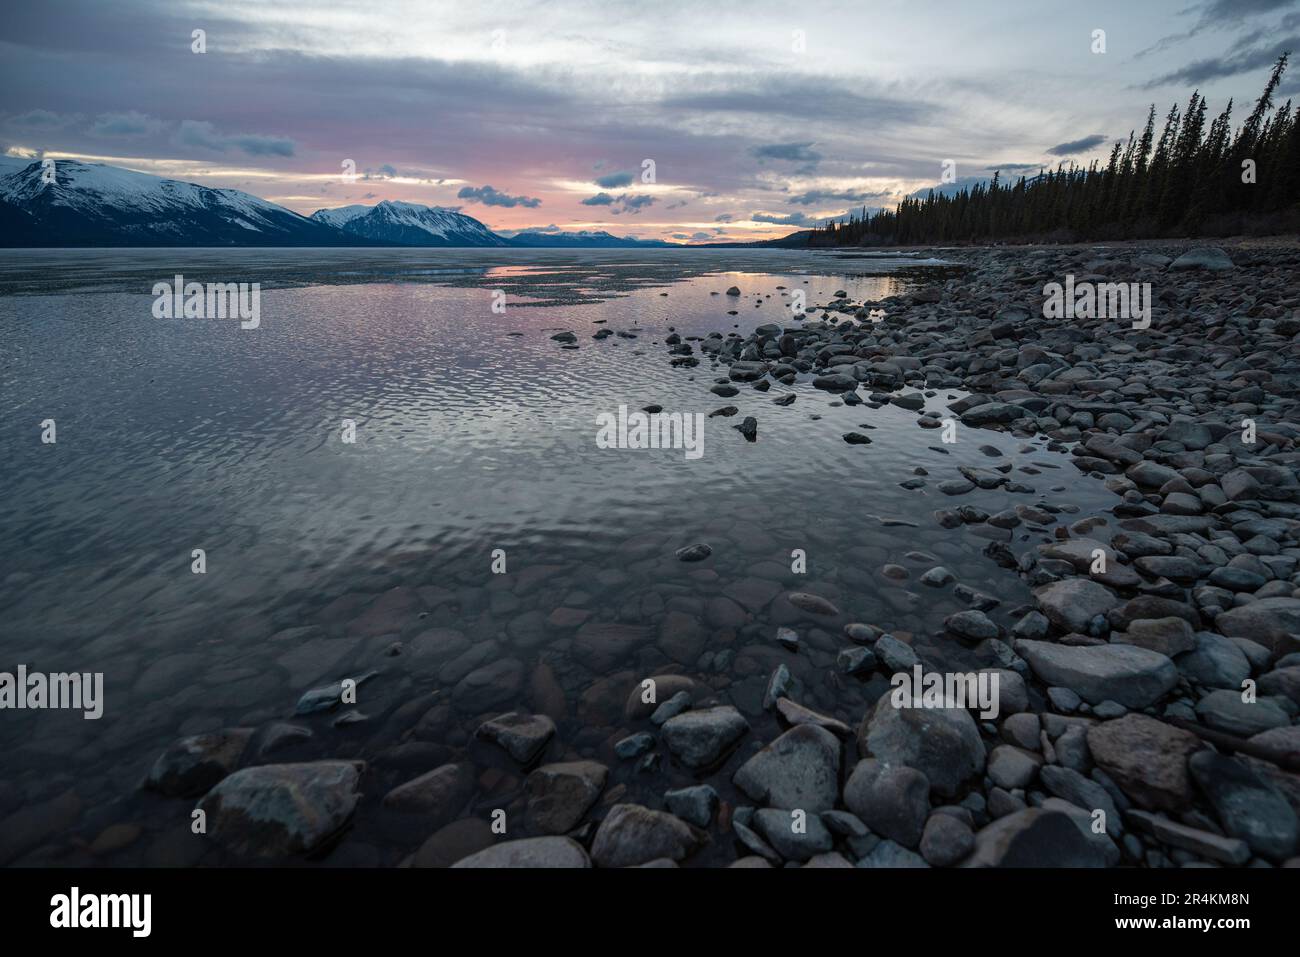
(128, 124)
(1220, 14)
(1232, 64)
(1077, 146)
(1234, 11)
(615, 180)
(298, 111)
(491, 197)
(323, 103)
(203, 135)
(800, 152)
(790, 219)
(39, 120)
(817, 196)
(623, 203)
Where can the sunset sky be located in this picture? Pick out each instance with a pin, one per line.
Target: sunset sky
(760, 117)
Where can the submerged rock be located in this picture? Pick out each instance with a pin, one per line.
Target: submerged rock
(632, 834)
(278, 810)
(694, 553)
(523, 736)
(191, 766)
(701, 738)
(330, 696)
(440, 793)
(560, 795)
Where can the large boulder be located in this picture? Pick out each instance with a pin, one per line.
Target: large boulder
(796, 836)
(523, 736)
(559, 795)
(702, 738)
(191, 766)
(1248, 807)
(1273, 622)
(1215, 662)
(277, 810)
(1073, 603)
(1034, 838)
(459, 839)
(1211, 258)
(632, 834)
(1147, 759)
(942, 743)
(800, 769)
(530, 852)
(1135, 677)
(893, 801)
(439, 794)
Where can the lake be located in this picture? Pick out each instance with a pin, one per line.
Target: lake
(473, 527)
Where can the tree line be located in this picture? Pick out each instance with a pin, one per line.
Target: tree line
(1191, 180)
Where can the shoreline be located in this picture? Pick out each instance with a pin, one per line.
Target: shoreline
(1097, 673)
(1149, 639)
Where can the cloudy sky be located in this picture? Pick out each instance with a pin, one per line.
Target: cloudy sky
(758, 117)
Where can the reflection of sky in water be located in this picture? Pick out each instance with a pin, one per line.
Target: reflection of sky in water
(178, 433)
(183, 434)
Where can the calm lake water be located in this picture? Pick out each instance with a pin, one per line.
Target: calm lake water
(475, 432)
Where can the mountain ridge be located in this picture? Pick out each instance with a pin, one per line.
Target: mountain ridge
(100, 205)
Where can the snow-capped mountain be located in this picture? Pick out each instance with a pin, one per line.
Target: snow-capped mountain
(90, 204)
(409, 224)
(585, 238)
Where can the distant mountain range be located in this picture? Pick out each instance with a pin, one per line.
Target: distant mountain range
(91, 204)
(587, 239)
(408, 224)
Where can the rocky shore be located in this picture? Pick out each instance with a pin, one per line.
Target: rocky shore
(1148, 693)
(1156, 680)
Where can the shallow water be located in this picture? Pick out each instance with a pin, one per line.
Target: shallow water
(474, 432)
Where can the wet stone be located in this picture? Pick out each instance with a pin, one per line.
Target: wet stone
(800, 769)
(559, 795)
(701, 738)
(522, 736)
(278, 810)
(695, 805)
(192, 765)
(631, 834)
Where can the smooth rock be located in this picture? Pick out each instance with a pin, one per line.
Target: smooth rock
(274, 811)
(631, 834)
(800, 769)
(530, 852)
